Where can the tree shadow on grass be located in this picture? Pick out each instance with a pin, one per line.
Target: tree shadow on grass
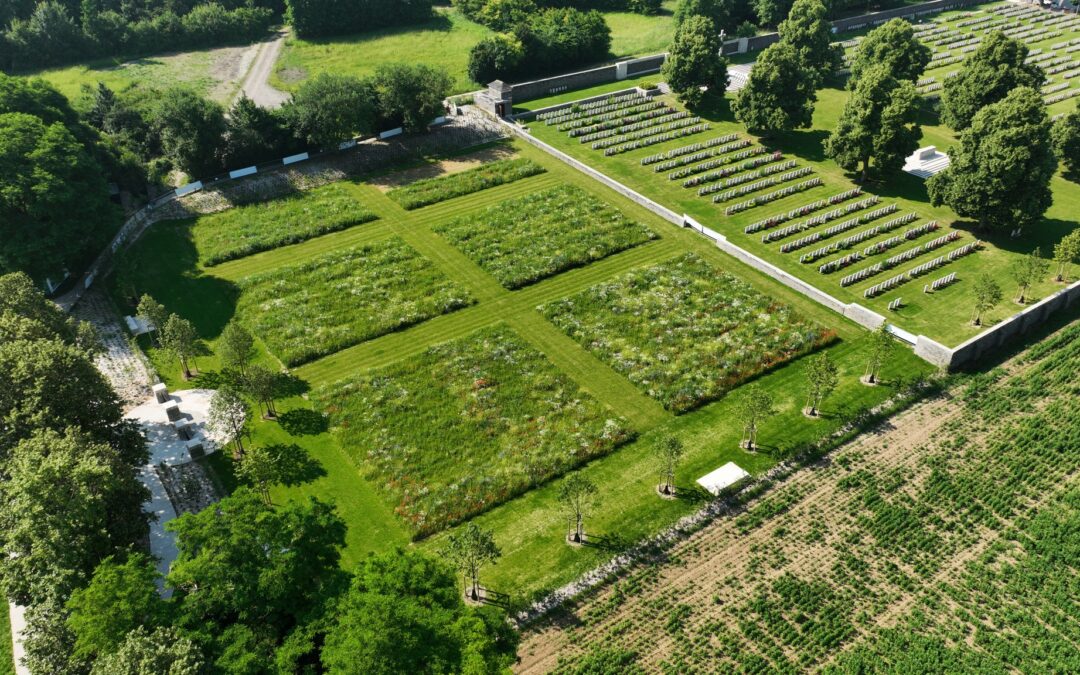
(165, 264)
(715, 109)
(808, 144)
(606, 542)
(295, 466)
(303, 422)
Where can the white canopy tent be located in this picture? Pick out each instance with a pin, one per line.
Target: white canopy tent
(725, 476)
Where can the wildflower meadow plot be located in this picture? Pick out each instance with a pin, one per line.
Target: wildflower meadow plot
(343, 298)
(245, 230)
(523, 240)
(684, 331)
(467, 425)
(435, 190)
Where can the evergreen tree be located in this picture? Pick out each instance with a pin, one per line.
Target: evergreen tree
(695, 61)
(1000, 173)
(987, 76)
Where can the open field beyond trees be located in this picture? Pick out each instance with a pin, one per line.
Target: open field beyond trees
(528, 527)
(944, 542)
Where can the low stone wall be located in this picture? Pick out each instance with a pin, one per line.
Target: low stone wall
(549, 86)
(907, 12)
(969, 352)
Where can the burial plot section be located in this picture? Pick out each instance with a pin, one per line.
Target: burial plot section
(684, 331)
(343, 298)
(467, 425)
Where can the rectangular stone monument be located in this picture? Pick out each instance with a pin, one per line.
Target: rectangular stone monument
(161, 392)
(927, 152)
(195, 449)
(172, 411)
(183, 429)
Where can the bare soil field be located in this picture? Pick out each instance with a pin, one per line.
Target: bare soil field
(443, 167)
(885, 529)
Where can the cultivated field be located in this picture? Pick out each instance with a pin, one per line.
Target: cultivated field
(371, 298)
(910, 549)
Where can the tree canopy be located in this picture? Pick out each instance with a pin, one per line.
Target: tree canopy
(1066, 138)
(987, 76)
(895, 46)
(879, 122)
(718, 12)
(1000, 173)
(695, 61)
(778, 96)
(808, 30)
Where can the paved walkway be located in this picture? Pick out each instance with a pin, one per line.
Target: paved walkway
(18, 625)
(166, 447)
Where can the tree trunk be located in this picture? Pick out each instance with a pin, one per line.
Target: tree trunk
(184, 367)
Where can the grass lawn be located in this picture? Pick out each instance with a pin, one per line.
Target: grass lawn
(637, 35)
(212, 72)
(445, 42)
(529, 528)
(943, 315)
(466, 425)
(7, 664)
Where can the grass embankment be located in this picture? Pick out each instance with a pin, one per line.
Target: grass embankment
(528, 528)
(943, 315)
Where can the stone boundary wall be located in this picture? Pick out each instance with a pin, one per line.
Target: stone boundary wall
(969, 352)
(587, 78)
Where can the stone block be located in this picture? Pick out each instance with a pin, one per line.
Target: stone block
(172, 411)
(161, 392)
(183, 429)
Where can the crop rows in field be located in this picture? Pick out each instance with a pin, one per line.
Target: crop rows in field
(434, 190)
(620, 124)
(523, 240)
(244, 230)
(683, 331)
(954, 522)
(1054, 40)
(342, 298)
(467, 425)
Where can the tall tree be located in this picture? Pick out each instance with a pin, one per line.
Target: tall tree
(180, 339)
(987, 76)
(235, 346)
(778, 95)
(46, 176)
(752, 408)
(228, 417)
(881, 345)
(121, 597)
(1000, 173)
(190, 129)
(263, 385)
(68, 503)
(253, 569)
(718, 12)
(579, 496)
(695, 61)
(277, 464)
(808, 29)
(145, 651)
(154, 312)
(329, 109)
(669, 450)
(1067, 252)
(1066, 138)
(987, 296)
(878, 123)
(469, 549)
(772, 12)
(822, 376)
(404, 614)
(895, 46)
(252, 134)
(411, 94)
(1027, 271)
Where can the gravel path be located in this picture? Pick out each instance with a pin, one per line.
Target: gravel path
(256, 84)
(121, 365)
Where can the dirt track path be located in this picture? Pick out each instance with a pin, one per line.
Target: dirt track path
(256, 84)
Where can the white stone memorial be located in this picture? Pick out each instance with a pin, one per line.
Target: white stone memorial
(725, 476)
(172, 411)
(161, 392)
(183, 429)
(195, 449)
